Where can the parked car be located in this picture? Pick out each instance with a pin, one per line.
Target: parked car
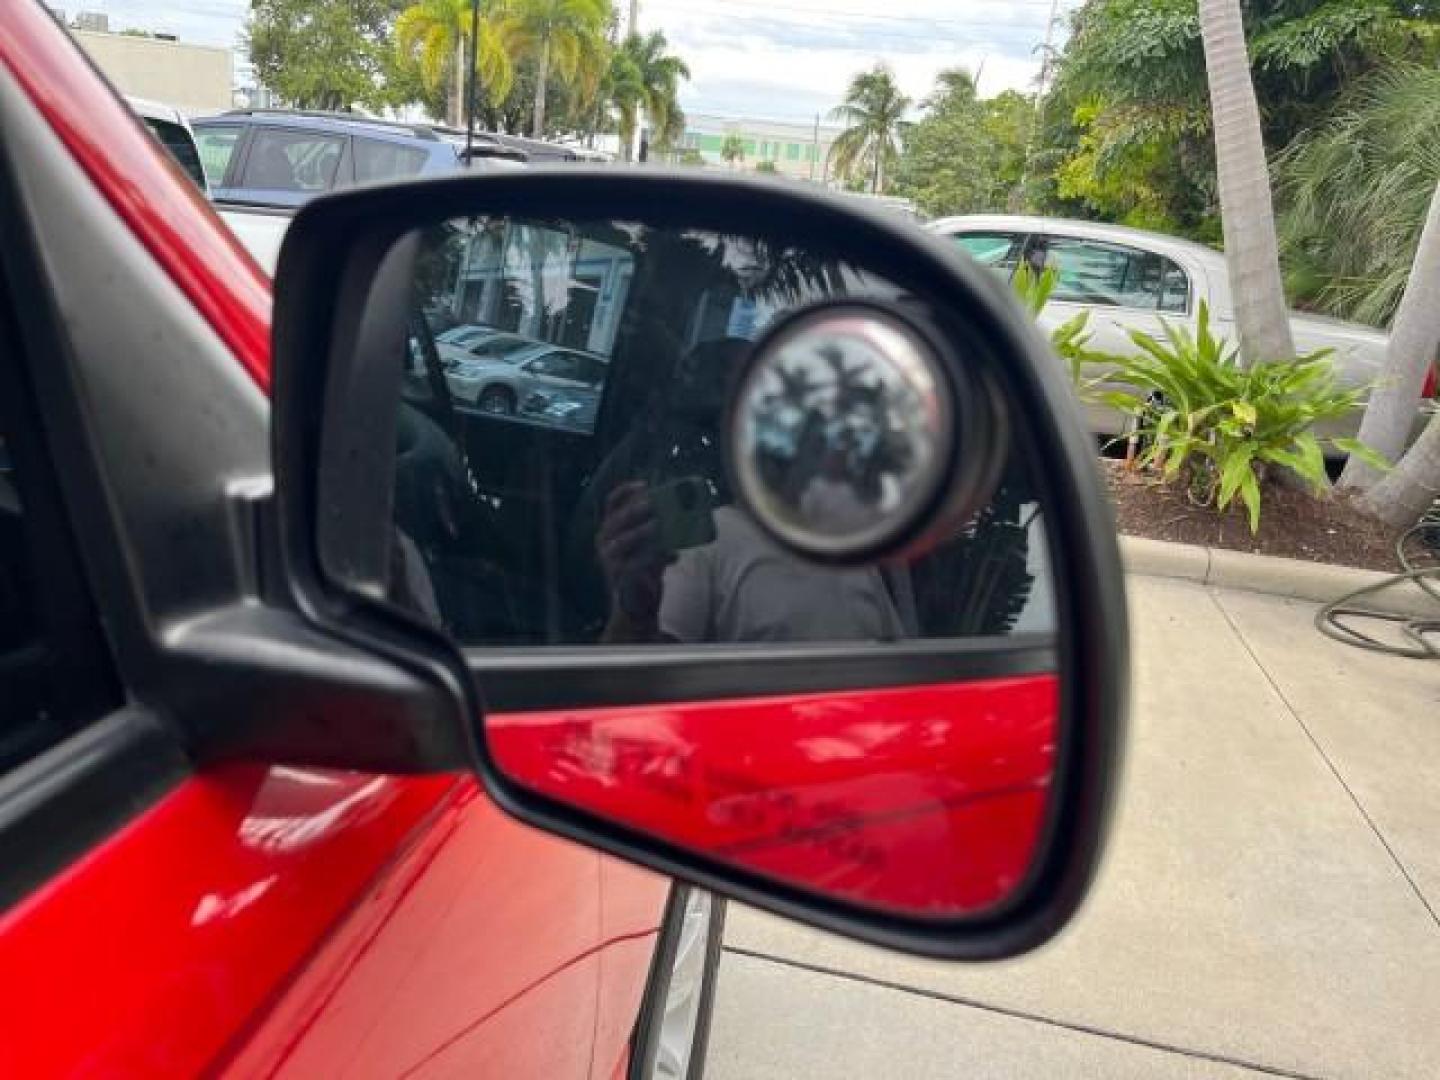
(337, 737)
(1130, 279)
(503, 373)
(280, 158)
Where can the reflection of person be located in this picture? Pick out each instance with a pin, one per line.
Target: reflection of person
(741, 587)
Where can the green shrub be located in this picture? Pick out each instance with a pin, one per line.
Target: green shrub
(1071, 338)
(1221, 427)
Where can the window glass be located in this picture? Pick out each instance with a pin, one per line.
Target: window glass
(181, 146)
(523, 532)
(216, 145)
(999, 251)
(377, 160)
(1093, 272)
(284, 160)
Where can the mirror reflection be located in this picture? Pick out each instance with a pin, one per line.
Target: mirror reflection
(842, 430)
(561, 477)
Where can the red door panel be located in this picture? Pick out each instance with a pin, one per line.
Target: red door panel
(631, 902)
(147, 955)
(478, 952)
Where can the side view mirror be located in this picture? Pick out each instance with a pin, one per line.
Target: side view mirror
(729, 529)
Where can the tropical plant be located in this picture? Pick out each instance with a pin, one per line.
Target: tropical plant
(732, 150)
(1071, 339)
(565, 38)
(645, 76)
(768, 168)
(1348, 256)
(873, 113)
(436, 35)
(1252, 252)
(1221, 427)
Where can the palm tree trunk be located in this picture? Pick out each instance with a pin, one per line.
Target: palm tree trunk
(1414, 341)
(1407, 491)
(457, 86)
(542, 74)
(1246, 213)
(875, 174)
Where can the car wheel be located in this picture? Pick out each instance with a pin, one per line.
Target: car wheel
(497, 400)
(675, 1028)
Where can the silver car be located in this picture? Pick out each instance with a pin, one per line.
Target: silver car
(507, 375)
(1129, 279)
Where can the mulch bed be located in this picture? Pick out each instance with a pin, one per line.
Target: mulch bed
(1293, 524)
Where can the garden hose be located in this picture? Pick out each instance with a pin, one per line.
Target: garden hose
(1420, 634)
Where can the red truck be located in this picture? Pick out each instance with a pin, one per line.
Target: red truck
(350, 731)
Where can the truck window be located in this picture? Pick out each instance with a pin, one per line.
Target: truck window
(216, 144)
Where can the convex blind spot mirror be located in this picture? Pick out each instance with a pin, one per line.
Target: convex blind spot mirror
(748, 535)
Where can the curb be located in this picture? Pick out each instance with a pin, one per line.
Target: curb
(1296, 579)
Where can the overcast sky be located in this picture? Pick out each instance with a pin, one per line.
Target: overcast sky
(784, 60)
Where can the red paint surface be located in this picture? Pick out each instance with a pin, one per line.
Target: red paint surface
(146, 956)
(925, 799)
(149, 192)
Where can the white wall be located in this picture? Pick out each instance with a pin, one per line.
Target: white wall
(193, 78)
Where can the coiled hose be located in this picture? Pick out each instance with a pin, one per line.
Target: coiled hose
(1419, 634)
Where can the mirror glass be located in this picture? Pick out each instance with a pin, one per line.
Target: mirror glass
(842, 429)
(881, 733)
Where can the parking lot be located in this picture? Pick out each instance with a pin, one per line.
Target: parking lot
(1268, 907)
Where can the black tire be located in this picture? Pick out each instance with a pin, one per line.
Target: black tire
(497, 400)
(645, 1041)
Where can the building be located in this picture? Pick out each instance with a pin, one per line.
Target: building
(795, 148)
(193, 78)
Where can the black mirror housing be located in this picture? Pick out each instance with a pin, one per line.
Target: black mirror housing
(929, 768)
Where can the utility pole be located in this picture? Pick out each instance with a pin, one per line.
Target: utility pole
(815, 148)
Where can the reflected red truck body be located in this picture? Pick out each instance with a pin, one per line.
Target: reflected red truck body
(261, 921)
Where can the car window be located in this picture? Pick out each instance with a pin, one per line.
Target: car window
(519, 551)
(378, 160)
(999, 251)
(216, 145)
(54, 677)
(1114, 275)
(286, 160)
(181, 145)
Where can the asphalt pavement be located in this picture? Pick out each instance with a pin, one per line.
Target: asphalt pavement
(1270, 905)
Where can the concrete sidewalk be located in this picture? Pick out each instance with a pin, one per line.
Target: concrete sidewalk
(1268, 907)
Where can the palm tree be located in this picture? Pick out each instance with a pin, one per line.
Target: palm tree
(1414, 340)
(566, 37)
(1246, 214)
(436, 33)
(732, 150)
(645, 75)
(874, 115)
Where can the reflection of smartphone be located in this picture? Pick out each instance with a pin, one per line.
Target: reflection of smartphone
(684, 513)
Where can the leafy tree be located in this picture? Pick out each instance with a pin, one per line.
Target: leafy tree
(732, 150)
(563, 36)
(435, 35)
(874, 116)
(769, 168)
(645, 75)
(965, 155)
(320, 54)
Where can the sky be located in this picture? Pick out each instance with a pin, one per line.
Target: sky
(787, 60)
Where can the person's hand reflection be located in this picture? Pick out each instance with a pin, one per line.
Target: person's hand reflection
(628, 545)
